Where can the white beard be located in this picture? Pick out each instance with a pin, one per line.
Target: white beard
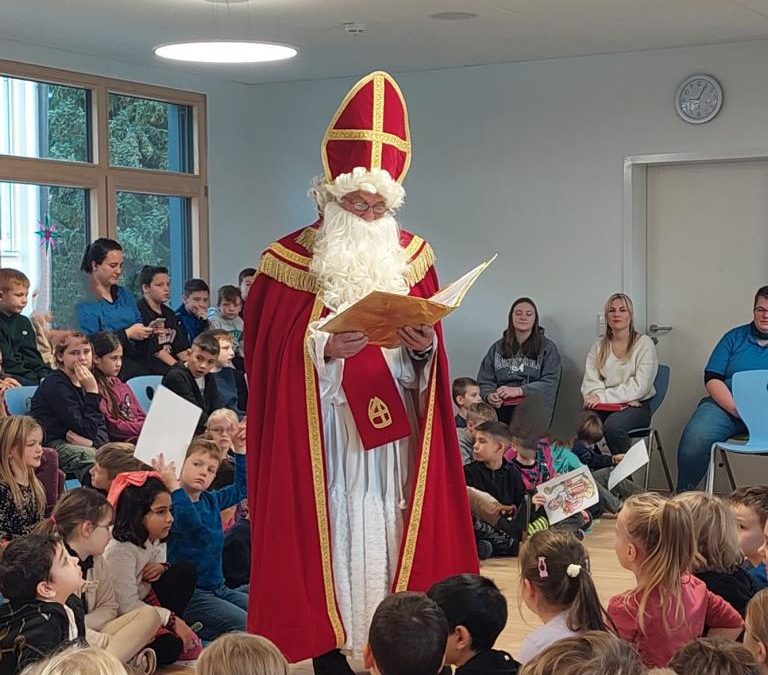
(353, 257)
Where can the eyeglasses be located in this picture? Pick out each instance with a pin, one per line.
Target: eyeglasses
(361, 207)
(761, 310)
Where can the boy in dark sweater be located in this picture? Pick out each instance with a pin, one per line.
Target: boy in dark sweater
(492, 474)
(21, 358)
(168, 345)
(477, 613)
(39, 579)
(193, 311)
(193, 380)
(233, 390)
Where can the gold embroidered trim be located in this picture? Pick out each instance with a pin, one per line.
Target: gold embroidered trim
(418, 268)
(412, 534)
(273, 263)
(318, 480)
(378, 120)
(307, 238)
(382, 77)
(279, 270)
(373, 136)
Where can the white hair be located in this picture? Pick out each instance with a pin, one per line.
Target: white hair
(372, 181)
(353, 257)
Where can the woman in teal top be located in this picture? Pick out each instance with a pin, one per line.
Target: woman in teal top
(112, 307)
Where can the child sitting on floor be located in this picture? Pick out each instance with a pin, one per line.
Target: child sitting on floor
(40, 580)
(197, 535)
(556, 585)
(477, 613)
(714, 656)
(669, 607)
(83, 519)
(112, 459)
(720, 562)
(476, 413)
(241, 654)
(465, 392)
(756, 629)
(492, 474)
(408, 635)
(750, 506)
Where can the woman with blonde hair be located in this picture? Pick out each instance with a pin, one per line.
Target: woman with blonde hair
(619, 373)
(22, 496)
(669, 606)
(720, 562)
(241, 654)
(756, 629)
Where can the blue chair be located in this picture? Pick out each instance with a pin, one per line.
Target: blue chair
(19, 400)
(651, 434)
(143, 388)
(750, 393)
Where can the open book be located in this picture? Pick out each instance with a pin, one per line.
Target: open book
(380, 314)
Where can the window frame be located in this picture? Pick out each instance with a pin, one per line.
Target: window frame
(104, 181)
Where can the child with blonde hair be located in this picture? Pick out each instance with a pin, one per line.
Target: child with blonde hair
(78, 661)
(720, 562)
(242, 654)
(756, 629)
(556, 585)
(22, 496)
(669, 607)
(713, 656)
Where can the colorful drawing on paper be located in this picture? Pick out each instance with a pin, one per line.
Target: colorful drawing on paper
(569, 494)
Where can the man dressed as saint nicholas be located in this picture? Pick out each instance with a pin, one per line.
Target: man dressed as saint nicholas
(356, 487)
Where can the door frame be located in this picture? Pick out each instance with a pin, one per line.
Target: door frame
(634, 216)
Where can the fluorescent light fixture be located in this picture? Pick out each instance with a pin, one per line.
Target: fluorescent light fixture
(226, 51)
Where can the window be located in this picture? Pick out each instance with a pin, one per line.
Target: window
(147, 134)
(95, 157)
(51, 262)
(153, 230)
(44, 120)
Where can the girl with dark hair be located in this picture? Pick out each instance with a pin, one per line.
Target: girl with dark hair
(521, 363)
(122, 411)
(137, 558)
(556, 584)
(82, 519)
(112, 307)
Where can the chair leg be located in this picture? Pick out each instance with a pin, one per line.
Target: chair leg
(710, 488)
(664, 462)
(728, 470)
(649, 441)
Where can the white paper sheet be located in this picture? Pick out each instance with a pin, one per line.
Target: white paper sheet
(169, 427)
(569, 494)
(636, 458)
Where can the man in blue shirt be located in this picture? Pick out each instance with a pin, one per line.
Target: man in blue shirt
(716, 418)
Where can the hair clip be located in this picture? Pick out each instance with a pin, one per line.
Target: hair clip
(573, 570)
(543, 571)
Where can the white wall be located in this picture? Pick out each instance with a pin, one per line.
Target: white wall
(230, 134)
(522, 159)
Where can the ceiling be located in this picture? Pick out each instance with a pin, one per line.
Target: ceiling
(400, 35)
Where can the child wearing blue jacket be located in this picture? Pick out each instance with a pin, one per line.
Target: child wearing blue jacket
(197, 534)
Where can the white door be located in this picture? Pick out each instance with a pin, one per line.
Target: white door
(707, 254)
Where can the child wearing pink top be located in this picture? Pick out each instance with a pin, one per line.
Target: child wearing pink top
(669, 607)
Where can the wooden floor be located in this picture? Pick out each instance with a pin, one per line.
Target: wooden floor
(610, 578)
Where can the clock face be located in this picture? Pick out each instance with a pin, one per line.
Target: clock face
(699, 98)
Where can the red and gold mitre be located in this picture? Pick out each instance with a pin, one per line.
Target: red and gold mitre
(369, 130)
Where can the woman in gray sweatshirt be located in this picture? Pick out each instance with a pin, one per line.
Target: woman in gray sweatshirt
(523, 363)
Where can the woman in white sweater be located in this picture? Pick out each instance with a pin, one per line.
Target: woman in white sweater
(619, 373)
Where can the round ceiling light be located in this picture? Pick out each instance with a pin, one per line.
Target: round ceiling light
(226, 51)
(453, 16)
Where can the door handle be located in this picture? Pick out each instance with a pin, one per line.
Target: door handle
(654, 329)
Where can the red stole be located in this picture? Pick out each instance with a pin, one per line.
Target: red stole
(373, 398)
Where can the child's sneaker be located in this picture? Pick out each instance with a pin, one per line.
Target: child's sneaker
(190, 655)
(484, 549)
